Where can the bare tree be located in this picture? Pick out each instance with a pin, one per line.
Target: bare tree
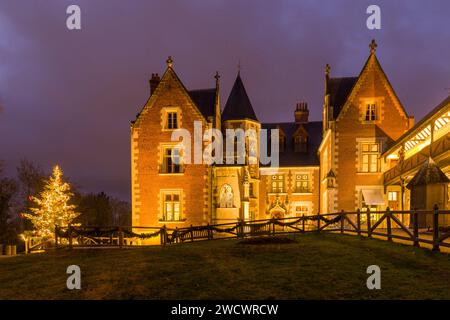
(8, 190)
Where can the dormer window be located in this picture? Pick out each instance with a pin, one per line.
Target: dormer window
(300, 144)
(282, 145)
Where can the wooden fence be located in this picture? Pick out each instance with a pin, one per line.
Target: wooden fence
(387, 224)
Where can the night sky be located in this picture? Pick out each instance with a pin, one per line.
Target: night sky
(68, 97)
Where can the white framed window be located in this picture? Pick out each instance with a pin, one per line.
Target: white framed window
(393, 195)
(369, 157)
(171, 205)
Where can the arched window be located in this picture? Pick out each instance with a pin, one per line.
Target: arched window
(226, 196)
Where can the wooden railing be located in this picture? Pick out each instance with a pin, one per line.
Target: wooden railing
(387, 224)
(437, 148)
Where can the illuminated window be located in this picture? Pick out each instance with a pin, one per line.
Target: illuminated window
(369, 157)
(371, 112)
(226, 196)
(301, 210)
(302, 183)
(171, 161)
(277, 183)
(393, 196)
(171, 206)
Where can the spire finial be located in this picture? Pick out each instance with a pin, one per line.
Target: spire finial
(373, 46)
(169, 62)
(217, 76)
(327, 69)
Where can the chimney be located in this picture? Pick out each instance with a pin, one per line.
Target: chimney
(154, 81)
(301, 112)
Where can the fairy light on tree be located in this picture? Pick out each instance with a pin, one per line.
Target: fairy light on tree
(52, 206)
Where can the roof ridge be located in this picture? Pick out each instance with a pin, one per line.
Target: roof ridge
(292, 122)
(203, 89)
(352, 77)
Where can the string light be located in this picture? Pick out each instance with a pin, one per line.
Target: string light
(52, 206)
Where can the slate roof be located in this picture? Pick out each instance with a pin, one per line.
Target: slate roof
(429, 173)
(238, 106)
(205, 99)
(339, 89)
(290, 158)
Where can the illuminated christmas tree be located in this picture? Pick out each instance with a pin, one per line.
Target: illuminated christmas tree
(52, 206)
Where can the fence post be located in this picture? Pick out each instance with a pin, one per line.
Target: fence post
(176, 235)
(69, 230)
(192, 233)
(318, 222)
(358, 222)
(388, 224)
(436, 228)
(303, 223)
(342, 221)
(415, 217)
(162, 235)
(26, 245)
(120, 237)
(56, 238)
(210, 236)
(369, 224)
(273, 226)
(241, 229)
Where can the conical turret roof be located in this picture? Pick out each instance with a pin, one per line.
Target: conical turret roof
(238, 106)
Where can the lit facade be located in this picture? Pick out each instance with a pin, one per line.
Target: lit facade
(349, 160)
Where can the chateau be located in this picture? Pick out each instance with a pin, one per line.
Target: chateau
(366, 153)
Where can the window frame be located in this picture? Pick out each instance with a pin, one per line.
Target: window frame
(278, 183)
(175, 206)
(167, 121)
(371, 113)
(301, 181)
(367, 157)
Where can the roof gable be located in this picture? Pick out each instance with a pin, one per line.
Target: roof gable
(429, 173)
(238, 106)
(167, 80)
(345, 87)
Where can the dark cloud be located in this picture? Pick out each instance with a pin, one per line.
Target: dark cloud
(70, 95)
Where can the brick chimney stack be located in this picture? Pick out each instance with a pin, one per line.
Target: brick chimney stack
(154, 81)
(301, 112)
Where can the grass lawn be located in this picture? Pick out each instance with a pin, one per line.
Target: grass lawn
(317, 266)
